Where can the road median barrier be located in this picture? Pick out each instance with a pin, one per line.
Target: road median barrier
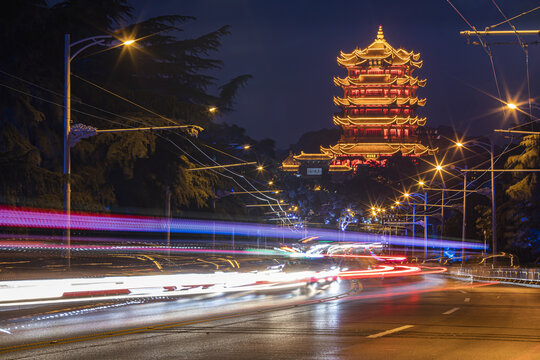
(523, 277)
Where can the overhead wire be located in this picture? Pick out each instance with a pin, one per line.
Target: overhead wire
(525, 50)
(512, 18)
(200, 150)
(142, 122)
(485, 46)
(125, 99)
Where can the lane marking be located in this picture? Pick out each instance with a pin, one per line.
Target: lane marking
(467, 299)
(378, 335)
(462, 291)
(450, 311)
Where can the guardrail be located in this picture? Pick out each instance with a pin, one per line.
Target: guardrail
(524, 277)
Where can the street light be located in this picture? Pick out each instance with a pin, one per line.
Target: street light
(423, 197)
(68, 58)
(531, 106)
(463, 171)
(439, 169)
(491, 149)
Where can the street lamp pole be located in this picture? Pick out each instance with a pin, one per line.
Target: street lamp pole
(491, 151)
(68, 57)
(464, 218)
(424, 197)
(67, 154)
(413, 227)
(493, 209)
(425, 225)
(442, 219)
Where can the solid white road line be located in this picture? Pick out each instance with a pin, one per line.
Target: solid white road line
(450, 311)
(467, 299)
(378, 335)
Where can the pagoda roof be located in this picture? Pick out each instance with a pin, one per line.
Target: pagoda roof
(379, 53)
(386, 79)
(378, 101)
(290, 167)
(290, 164)
(343, 168)
(361, 149)
(351, 121)
(313, 157)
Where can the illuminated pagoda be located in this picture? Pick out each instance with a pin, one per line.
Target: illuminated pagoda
(378, 109)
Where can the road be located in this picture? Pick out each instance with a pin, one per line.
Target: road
(421, 317)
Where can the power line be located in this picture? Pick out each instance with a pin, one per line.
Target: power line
(512, 18)
(142, 122)
(486, 48)
(124, 99)
(524, 48)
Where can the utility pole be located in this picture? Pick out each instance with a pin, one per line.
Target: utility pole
(425, 225)
(67, 152)
(464, 219)
(493, 210)
(413, 227)
(442, 221)
(524, 46)
(168, 216)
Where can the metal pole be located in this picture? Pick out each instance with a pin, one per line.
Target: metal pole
(406, 221)
(442, 221)
(493, 208)
(413, 228)
(406, 233)
(168, 215)
(67, 153)
(464, 219)
(425, 226)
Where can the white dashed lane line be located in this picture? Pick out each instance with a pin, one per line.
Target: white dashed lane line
(450, 311)
(467, 299)
(378, 335)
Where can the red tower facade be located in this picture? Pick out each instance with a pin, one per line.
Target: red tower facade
(379, 105)
(378, 111)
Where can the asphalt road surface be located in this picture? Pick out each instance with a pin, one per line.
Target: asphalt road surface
(428, 317)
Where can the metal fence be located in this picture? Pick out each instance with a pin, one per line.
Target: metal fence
(509, 275)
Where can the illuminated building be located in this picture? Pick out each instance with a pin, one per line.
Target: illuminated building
(378, 115)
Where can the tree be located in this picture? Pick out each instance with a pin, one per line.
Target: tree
(523, 207)
(163, 72)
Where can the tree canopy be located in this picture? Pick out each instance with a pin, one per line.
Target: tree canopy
(162, 79)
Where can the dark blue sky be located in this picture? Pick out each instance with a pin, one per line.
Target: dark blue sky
(290, 48)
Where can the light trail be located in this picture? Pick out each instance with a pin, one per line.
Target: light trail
(33, 218)
(385, 271)
(40, 292)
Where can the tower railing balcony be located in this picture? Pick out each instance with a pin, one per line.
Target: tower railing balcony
(377, 139)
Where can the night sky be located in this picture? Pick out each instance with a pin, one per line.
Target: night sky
(290, 48)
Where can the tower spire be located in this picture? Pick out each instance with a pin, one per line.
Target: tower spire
(380, 35)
